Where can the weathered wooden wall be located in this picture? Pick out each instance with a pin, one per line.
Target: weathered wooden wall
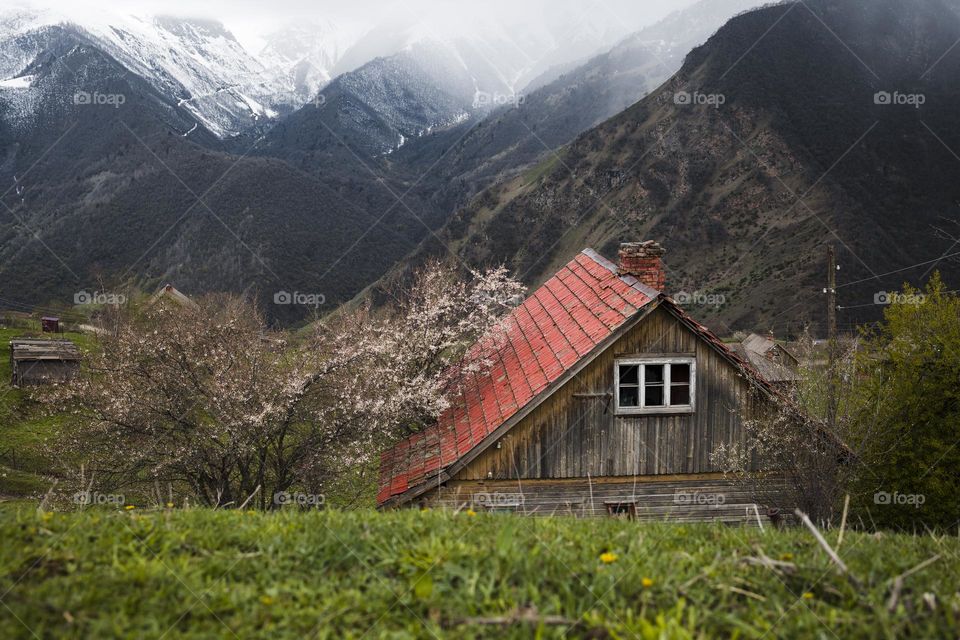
(575, 432)
(36, 372)
(666, 497)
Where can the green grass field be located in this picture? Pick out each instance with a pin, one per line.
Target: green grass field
(205, 574)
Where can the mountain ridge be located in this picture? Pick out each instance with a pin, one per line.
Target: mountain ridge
(718, 184)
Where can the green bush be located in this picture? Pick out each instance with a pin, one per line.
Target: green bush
(910, 411)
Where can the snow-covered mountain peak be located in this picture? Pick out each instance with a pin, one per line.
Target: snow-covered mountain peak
(488, 52)
(195, 61)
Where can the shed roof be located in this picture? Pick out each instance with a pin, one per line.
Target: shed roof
(758, 343)
(770, 369)
(32, 349)
(554, 333)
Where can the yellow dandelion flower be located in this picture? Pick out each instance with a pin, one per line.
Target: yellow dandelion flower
(807, 595)
(46, 516)
(169, 505)
(647, 583)
(471, 512)
(130, 507)
(608, 557)
(267, 600)
(786, 557)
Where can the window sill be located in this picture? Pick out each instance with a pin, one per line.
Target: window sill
(654, 411)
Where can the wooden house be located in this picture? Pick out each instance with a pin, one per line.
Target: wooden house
(767, 346)
(772, 360)
(606, 398)
(36, 362)
(170, 293)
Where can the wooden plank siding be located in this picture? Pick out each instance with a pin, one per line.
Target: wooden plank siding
(684, 497)
(575, 434)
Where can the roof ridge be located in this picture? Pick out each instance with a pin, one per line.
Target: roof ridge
(597, 257)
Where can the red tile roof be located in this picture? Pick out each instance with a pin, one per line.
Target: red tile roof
(548, 334)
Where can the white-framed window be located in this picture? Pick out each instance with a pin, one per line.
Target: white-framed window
(655, 385)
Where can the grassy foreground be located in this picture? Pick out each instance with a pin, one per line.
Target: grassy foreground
(204, 574)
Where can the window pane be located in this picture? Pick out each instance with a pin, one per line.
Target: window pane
(680, 373)
(629, 396)
(654, 373)
(628, 374)
(654, 396)
(679, 394)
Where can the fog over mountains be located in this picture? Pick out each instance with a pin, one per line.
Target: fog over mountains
(326, 151)
(232, 87)
(758, 153)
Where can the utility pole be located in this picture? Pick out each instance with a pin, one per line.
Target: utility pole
(831, 292)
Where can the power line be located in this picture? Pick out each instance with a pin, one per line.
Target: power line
(890, 273)
(29, 308)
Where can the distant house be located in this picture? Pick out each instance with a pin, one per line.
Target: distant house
(36, 362)
(606, 398)
(772, 360)
(171, 293)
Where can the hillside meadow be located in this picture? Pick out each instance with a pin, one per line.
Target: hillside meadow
(26, 428)
(199, 573)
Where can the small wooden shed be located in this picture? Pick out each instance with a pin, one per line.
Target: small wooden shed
(35, 362)
(50, 324)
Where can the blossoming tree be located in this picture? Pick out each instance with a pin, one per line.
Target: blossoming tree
(207, 398)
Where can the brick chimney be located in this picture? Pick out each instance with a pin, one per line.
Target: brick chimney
(642, 260)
